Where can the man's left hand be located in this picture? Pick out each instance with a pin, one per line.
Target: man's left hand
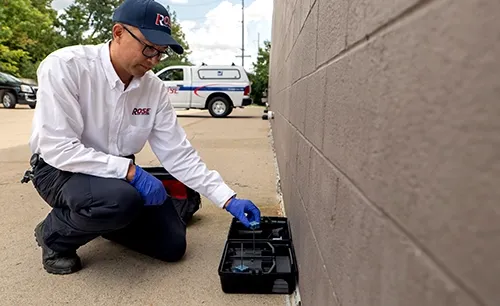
(238, 208)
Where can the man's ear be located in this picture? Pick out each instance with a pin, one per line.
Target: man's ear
(117, 32)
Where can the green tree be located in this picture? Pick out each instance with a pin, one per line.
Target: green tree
(47, 40)
(260, 76)
(24, 27)
(88, 21)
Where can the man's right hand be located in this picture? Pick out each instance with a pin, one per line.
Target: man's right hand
(151, 189)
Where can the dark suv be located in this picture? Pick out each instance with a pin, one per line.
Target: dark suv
(14, 91)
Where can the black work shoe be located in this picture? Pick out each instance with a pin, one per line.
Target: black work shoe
(56, 262)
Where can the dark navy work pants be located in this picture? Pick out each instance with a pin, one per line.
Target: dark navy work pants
(85, 207)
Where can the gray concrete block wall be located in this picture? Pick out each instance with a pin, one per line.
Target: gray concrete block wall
(387, 134)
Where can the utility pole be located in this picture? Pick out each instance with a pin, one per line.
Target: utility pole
(243, 35)
(258, 42)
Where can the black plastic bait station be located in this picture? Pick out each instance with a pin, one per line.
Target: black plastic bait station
(260, 259)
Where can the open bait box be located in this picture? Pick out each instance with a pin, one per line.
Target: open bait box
(260, 260)
(270, 228)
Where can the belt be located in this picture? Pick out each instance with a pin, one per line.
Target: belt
(35, 160)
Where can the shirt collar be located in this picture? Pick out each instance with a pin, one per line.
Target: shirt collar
(109, 70)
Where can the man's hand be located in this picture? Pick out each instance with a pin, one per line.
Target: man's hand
(150, 188)
(238, 208)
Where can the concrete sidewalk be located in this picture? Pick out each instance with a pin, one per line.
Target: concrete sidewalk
(238, 147)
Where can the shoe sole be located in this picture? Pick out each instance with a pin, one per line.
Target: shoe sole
(49, 269)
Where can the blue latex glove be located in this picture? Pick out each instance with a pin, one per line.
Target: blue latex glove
(238, 208)
(151, 189)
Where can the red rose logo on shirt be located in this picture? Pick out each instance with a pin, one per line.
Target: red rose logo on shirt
(141, 111)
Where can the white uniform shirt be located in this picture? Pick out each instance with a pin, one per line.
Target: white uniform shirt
(86, 122)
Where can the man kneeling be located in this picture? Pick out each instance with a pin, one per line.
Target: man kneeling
(97, 105)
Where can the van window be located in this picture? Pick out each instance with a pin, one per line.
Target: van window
(219, 74)
(176, 74)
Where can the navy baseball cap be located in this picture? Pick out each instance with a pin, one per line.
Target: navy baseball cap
(152, 19)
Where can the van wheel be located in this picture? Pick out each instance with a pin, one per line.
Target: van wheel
(32, 105)
(8, 100)
(219, 107)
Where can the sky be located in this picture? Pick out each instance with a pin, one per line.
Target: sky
(213, 28)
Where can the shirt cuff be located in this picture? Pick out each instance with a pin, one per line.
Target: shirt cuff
(221, 194)
(119, 166)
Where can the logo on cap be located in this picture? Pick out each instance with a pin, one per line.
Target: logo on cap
(163, 21)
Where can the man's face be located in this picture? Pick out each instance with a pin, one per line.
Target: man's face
(130, 50)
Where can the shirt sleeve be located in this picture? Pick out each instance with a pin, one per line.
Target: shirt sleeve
(169, 142)
(59, 124)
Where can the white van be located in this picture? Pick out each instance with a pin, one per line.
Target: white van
(216, 88)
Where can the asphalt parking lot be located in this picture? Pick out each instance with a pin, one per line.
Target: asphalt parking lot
(238, 147)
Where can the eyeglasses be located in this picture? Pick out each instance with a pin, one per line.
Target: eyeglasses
(150, 51)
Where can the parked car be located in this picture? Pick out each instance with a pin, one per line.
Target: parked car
(14, 91)
(217, 88)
